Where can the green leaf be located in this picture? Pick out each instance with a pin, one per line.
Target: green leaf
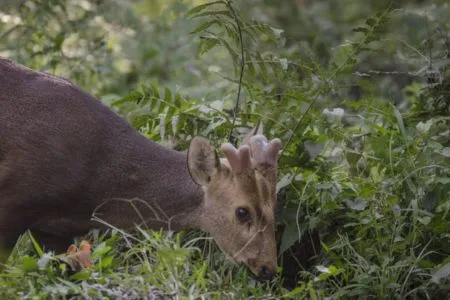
(156, 100)
(250, 67)
(297, 291)
(441, 273)
(297, 96)
(106, 262)
(178, 100)
(262, 67)
(443, 180)
(207, 44)
(100, 250)
(400, 123)
(424, 220)
(36, 246)
(232, 34)
(361, 29)
(29, 264)
(234, 55)
(58, 41)
(167, 95)
(84, 275)
(445, 152)
(202, 7)
(343, 57)
(155, 90)
(203, 27)
(290, 236)
(313, 149)
(284, 181)
(134, 97)
(170, 112)
(214, 14)
(357, 204)
(371, 22)
(200, 278)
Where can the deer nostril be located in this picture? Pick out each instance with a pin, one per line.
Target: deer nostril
(266, 274)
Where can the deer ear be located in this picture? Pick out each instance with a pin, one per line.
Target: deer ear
(202, 160)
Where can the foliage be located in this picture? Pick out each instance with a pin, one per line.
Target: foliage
(359, 97)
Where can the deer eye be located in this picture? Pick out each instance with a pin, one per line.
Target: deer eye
(242, 214)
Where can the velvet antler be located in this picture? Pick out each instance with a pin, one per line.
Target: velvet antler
(256, 152)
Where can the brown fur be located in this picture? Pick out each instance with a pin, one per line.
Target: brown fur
(64, 156)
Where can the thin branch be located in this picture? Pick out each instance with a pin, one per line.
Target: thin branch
(241, 75)
(313, 101)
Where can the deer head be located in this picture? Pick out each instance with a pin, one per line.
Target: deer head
(240, 198)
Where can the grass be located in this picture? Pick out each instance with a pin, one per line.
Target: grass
(134, 266)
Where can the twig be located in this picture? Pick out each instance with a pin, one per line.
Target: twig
(241, 75)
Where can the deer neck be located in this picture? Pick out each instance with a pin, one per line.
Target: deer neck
(154, 187)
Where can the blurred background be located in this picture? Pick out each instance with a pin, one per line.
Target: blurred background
(110, 47)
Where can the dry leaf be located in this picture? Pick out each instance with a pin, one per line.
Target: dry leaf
(78, 259)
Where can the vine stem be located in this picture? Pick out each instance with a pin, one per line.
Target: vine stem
(300, 121)
(241, 75)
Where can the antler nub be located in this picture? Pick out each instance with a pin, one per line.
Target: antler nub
(264, 152)
(239, 159)
(256, 152)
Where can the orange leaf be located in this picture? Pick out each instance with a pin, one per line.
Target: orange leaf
(79, 259)
(72, 249)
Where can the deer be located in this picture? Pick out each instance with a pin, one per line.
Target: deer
(64, 155)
